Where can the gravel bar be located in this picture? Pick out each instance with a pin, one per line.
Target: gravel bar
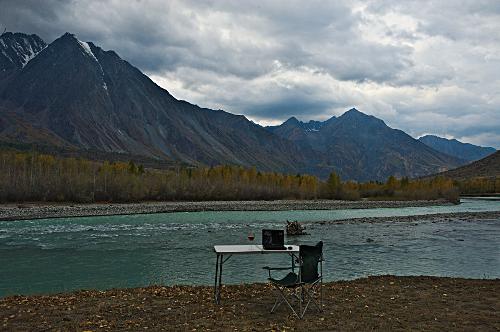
(61, 210)
(465, 216)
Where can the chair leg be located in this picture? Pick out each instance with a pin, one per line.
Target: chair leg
(302, 313)
(304, 295)
(309, 293)
(278, 302)
(282, 298)
(291, 307)
(301, 299)
(321, 282)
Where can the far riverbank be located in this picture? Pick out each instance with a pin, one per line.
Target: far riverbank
(61, 210)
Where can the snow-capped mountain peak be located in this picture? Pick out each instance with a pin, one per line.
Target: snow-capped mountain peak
(87, 49)
(17, 49)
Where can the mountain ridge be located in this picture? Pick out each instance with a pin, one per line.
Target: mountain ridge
(17, 49)
(455, 148)
(362, 147)
(75, 94)
(101, 101)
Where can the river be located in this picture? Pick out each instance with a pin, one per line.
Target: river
(59, 255)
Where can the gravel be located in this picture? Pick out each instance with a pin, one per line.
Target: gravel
(437, 217)
(60, 210)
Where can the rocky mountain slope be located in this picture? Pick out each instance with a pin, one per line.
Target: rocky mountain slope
(466, 151)
(16, 50)
(363, 147)
(75, 94)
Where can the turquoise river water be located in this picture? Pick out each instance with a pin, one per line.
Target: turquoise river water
(58, 255)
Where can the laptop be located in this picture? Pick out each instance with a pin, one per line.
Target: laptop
(273, 239)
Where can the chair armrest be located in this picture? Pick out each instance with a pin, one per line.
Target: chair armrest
(276, 268)
(269, 269)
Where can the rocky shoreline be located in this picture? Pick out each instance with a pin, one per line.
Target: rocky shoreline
(60, 210)
(385, 303)
(465, 216)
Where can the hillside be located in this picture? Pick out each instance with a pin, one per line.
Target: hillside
(466, 151)
(488, 167)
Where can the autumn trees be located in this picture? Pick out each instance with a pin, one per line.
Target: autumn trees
(479, 185)
(39, 177)
(393, 188)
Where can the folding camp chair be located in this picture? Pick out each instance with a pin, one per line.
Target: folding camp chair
(304, 287)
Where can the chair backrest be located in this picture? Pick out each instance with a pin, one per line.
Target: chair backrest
(310, 257)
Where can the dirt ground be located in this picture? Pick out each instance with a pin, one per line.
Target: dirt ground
(375, 303)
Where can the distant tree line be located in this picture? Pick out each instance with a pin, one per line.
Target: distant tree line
(40, 177)
(30, 176)
(479, 185)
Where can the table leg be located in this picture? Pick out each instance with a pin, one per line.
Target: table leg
(221, 261)
(216, 275)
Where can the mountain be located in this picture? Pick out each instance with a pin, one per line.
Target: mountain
(452, 147)
(16, 50)
(488, 167)
(304, 134)
(363, 147)
(74, 94)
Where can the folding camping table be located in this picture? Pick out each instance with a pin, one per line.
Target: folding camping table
(225, 252)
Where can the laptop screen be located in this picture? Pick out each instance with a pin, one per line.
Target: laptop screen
(273, 238)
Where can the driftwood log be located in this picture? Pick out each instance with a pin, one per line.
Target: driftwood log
(295, 228)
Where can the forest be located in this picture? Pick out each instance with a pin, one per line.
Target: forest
(31, 176)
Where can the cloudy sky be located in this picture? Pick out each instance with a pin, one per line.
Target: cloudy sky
(424, 67)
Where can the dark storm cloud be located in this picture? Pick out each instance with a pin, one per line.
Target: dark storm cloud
(234, 38)
(32, 16)
(425, 67)
(293, 106)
